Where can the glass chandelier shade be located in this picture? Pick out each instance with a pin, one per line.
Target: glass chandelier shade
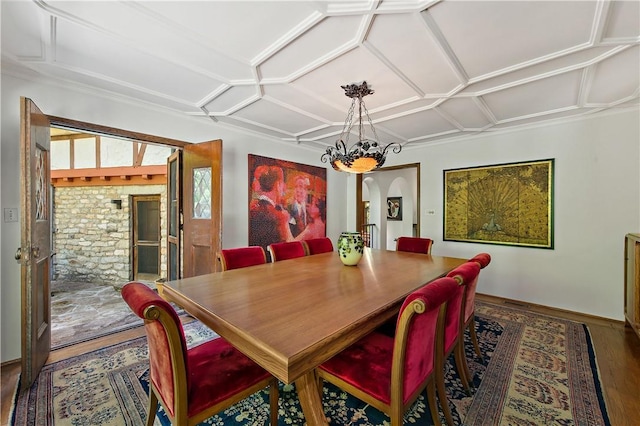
(364, 155)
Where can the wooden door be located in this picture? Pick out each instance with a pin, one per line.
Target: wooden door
(35, 241)
(174, 221)
(35, 249)
(202, 207)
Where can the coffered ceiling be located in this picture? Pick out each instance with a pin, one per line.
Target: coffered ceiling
(439, 69)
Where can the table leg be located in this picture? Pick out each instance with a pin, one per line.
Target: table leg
(311, 400)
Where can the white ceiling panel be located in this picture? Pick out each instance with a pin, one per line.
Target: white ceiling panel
(549, 117)
(139, 25)
(315, 106)
(319, 44)
(466, 112)
(405, 42)
(624, 105)
(26, 28)
(252, 128)
(356, 66)
(440, 70)
(93, 52)
(405, 108)
(616, 78)
(232, 99)
(110, 87)
(418, 125)
(329, 133)
(623, 20)
(277, 117)
(551, 93)
(492, 35)
(576, 60)
(232, 26)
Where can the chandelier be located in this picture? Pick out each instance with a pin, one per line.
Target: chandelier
(364, 155)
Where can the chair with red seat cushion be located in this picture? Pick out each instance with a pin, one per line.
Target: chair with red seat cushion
(241, 257)
(414, 244)
(453, 342)
(288, 250)
(482, 259)
(192, 384)
(389, 373)
(468, 274)
(318, 245)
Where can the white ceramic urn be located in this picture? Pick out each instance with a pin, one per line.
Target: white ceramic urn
(350, 248)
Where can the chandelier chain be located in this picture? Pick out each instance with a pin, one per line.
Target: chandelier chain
(348, 123)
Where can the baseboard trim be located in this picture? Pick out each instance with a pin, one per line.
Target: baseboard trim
(10, 363)
(562, 313)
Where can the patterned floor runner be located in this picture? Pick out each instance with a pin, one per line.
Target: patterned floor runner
(536, 370)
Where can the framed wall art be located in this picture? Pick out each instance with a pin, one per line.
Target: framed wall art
(394, 208)
(287, 201)
(507, 204)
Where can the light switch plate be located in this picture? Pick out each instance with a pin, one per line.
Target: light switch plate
(11, 215)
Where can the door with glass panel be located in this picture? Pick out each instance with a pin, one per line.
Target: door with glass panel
(195, 209)
(34, 253)
(174, 222)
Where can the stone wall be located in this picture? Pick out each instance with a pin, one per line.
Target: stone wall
(92, 237)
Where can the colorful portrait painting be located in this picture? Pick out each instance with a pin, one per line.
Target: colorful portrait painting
(287, 201)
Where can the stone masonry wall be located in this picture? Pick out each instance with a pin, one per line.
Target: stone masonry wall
(92, 238)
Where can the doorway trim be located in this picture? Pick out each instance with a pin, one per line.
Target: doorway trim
(82, 126)
(360, 205)
(29, 350)
(138, 244)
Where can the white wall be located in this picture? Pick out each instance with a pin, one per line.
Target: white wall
(596, 202)
(597, 195)
(92, 107)
(391, 183)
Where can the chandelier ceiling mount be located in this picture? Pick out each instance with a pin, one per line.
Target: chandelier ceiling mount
(366, 154)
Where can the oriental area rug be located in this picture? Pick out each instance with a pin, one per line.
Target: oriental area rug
(537, 370)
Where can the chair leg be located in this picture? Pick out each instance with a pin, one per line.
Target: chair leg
(320, 384)
(461, 366)
(431, 399)
(274, 396)
(152, 406)
(396, 414)
(467, 372)
(474, 337)
(442, 395)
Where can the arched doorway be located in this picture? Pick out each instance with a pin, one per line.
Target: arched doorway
(372, 191)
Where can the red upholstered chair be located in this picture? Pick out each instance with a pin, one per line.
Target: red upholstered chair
(284, 251)
(318, 245)
(414, 244)
(192, 384)
(390, 372)
(482, 259)
(454, 333)
(242, 257)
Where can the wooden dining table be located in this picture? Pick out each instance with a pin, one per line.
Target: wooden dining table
(291, 316)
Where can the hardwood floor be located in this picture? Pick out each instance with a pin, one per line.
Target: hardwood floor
(617, 350)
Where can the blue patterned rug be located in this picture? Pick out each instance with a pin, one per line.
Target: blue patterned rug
(536, 370)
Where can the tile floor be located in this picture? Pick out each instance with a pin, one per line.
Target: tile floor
(82, 311)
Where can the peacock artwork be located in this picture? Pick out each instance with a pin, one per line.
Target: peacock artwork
(509, 204)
